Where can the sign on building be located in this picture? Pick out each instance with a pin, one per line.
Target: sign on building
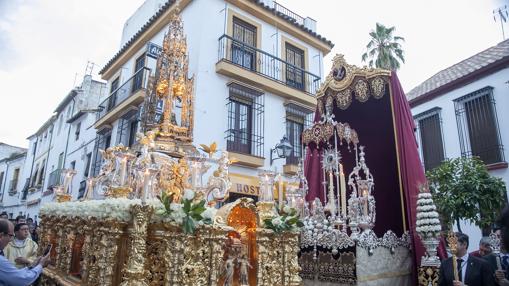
(153, 50)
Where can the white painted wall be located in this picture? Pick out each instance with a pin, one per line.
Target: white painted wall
(450, 130)
(11, 203)
(139, 18)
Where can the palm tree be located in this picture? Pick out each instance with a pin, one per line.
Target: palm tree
(384, 49)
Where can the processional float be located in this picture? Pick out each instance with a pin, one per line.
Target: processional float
(157, 214)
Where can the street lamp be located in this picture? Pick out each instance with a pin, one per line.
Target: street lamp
(283, 149)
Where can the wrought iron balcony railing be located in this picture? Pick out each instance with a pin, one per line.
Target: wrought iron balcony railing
(135, 83)
(289, 13)
(54, 178)
(265, 64)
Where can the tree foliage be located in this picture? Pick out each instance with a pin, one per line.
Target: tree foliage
(462, 188)
(384, 49)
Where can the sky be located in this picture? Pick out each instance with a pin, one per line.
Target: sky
(45, 44)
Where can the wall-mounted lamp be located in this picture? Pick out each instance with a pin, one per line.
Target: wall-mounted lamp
(283, 150)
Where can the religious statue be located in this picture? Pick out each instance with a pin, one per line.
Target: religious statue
(229, 270)
(244, 273)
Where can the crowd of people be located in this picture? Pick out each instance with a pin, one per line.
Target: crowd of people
(19, 263)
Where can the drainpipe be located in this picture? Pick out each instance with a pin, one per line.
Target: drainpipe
(47, 158)
(33, 159)
(69, 131)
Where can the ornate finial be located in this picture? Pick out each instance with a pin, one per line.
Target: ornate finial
(452, 240)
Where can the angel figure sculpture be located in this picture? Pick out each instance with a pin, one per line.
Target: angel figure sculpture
(244, 264)
(229, 270)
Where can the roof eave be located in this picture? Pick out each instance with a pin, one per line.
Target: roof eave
(484, 71)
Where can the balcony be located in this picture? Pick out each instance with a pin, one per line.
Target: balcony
(54, 178)
(125, 98)
(289, 13)
(256, 67)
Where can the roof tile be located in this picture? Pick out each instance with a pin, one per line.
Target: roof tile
(458, 71)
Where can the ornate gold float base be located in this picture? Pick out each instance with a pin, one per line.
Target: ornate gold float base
(61, 198)
(428, 275)
(118, 192)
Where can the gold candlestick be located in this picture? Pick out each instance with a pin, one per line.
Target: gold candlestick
(453, 242)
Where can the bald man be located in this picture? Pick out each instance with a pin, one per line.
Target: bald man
(9, 274)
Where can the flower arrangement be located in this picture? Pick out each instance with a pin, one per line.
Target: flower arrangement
(286, 219)
(428, 223)
(188, 214)
(116, 209)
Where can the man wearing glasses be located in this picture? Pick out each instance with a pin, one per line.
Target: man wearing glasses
(9, 274)
(22, 250)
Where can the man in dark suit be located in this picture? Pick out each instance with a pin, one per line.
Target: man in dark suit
(472, 271)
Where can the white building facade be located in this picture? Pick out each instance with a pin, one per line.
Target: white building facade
(462, 111)
(11, 170)
(65, 141)
(256, 68)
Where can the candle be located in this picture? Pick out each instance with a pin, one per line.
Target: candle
(90, 189)
(324, 183)
(365, 197)
(67, 181)
(123, 166)
(343, 190)
(146, 182)
(332, 203)
(266, 195)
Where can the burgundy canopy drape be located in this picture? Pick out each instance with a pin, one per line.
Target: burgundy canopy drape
(378, 122)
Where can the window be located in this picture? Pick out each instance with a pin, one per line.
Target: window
(34, 176)
(87, 165)
(477, 121)
(138, 70)
(245, 120)
(14, 181)
(41, 173)
(133, 127)
(429, 134)
(297, 119)
(107, 141)
(77, 132)
(294, 66)
(113, 93)
(244, 35)
(60, 160)
(72, 165)
(102, 142)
